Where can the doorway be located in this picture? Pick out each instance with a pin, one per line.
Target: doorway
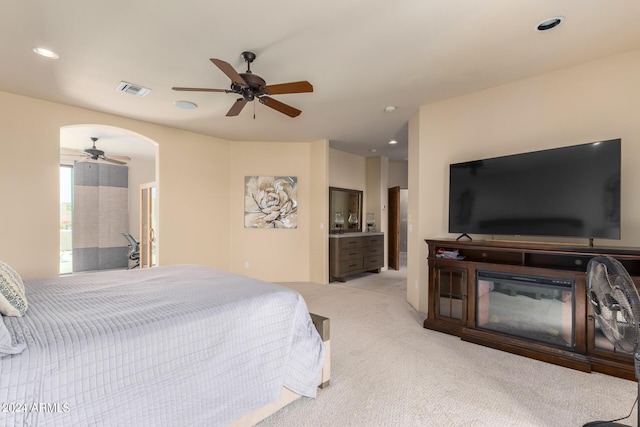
(148, 224)
(397, 243)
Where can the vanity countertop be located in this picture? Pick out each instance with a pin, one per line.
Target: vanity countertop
(355, 234)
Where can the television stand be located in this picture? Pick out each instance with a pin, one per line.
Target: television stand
(483, 298)
(464, 235)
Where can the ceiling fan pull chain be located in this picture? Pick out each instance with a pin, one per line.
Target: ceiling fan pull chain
(254, 111)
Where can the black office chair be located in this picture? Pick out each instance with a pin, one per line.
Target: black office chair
(134, 250)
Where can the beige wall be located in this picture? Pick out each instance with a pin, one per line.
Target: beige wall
(347, 170)
(595, 101)
(378, 196)
(399, 174)
(194, 184)
(319, 240)
(284, 254)
(194, 180)
(416, 272)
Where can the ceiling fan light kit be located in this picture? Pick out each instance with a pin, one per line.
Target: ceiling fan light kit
(251, 86)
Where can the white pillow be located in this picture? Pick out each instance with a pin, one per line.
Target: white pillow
(6, 348)
(12, 296)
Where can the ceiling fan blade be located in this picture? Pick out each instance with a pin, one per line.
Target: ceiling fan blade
(279, 106)
(70, 152)
(123, 158)
(198, 89)
(236, 108)
(293, 87)
(226, 68)
(117, 162)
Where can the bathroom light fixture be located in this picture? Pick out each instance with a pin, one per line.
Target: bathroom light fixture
(549, 23)
(45, 52)
(186, 105)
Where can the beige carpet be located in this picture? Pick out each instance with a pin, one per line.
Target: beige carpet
(389, 371)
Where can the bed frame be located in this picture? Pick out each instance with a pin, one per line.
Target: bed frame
(287, 396)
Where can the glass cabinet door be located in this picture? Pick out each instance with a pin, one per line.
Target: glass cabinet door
(451, 290)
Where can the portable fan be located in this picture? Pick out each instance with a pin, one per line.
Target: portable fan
(616, 307)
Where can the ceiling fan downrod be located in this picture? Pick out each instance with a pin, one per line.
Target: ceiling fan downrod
(248, 57)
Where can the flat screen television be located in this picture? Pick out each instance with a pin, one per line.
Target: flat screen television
(569, 192)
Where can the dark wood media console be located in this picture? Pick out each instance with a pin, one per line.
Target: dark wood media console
(507, 305)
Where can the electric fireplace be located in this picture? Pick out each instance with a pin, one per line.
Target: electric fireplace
(531, 307)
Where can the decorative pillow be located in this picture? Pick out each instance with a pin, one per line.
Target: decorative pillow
(5, 342)
(12, 296)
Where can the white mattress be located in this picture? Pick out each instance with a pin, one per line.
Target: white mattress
(168, 346)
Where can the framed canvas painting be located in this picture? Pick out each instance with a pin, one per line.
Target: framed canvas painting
(270, 202)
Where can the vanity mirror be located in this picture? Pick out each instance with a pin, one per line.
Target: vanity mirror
(345, 210)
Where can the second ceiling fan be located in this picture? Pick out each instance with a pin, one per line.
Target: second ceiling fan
(94, 153)
(251, 86)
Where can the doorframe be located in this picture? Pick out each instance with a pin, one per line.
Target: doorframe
(148, 216)
(393, 242)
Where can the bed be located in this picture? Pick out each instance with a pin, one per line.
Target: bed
(174, 345)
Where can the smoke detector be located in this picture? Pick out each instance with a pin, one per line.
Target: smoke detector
(133, 89)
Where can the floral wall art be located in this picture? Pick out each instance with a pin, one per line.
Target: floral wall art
(270, 202)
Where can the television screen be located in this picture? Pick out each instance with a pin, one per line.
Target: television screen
(569, 191)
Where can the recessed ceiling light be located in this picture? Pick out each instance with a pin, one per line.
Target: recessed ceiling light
(389, 109)
(549, 23)
(186, 105)
(45, 52)
(393, 142)
(373, 150)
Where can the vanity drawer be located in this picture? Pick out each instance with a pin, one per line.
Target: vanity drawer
(373, 241)
(373, 250)
(351, 266)
(351, 253)
(346, 243)
(373, 262)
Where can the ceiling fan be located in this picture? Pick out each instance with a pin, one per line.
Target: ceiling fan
(94, 153)
(251, 86)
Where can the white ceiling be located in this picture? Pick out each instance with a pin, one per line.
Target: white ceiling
(359, 55)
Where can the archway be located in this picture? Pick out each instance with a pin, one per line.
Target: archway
(139, 155)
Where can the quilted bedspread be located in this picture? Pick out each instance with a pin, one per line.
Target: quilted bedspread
(167, 346)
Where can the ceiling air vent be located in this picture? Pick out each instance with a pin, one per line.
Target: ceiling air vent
(132, 89)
